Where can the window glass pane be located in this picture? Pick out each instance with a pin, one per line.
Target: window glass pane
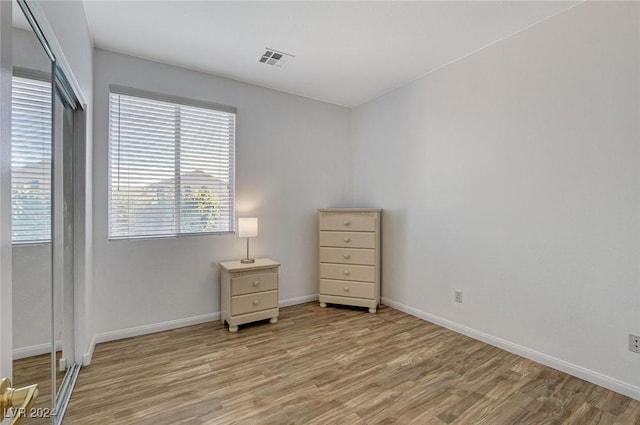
(205, 164)
(30, 160)
(171, 168)
(142, 168)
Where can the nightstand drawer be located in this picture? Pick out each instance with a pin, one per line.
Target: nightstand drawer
(348, 272)
(348, 239)
(254, 283)
(348, 256)
(347, 289)
(242, 304)
(348, 222)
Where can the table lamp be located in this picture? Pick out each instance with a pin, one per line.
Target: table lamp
(248, 228)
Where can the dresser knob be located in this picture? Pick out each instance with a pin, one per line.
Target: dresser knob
(346, 289)
(345, 272)
(347, 256)
(256, 302)
(346, 239)
(347, 222)
(256, 282)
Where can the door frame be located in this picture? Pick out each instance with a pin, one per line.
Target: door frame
(6, 285)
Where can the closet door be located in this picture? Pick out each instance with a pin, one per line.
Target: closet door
(41, 193)
(63, 241)
(31, 207)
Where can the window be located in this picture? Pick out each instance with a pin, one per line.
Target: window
(30, 160)
(171, 166)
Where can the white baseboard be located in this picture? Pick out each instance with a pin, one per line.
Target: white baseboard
(86, 358)
(545, 359)
(155, 327)
(34, 350)
(172, 324)
(298, 300)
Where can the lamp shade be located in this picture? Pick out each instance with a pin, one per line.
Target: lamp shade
(248, 227)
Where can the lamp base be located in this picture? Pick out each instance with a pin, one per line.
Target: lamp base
(248, 260)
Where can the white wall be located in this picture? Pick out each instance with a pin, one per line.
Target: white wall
(293, 156)
(513, 175)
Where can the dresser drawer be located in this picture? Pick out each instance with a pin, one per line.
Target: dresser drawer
(242, 304)
(348, 272)
(348, 239)
(348, 222)
(348, 256)
(254, 283)
(347, 289)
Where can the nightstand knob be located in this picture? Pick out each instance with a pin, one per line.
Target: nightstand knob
(256, 282)
(256, 302)
(347, 222)
(347, 256)
(346, 289)
(346, 239)
(345, 272)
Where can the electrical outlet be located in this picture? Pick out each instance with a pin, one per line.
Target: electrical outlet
(458, 296)
(634, 343)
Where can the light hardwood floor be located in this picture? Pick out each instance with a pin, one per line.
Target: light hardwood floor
(336, 365)
(37, 370)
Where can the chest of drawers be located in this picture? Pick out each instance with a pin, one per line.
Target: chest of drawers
(350, 257)
(248, 292)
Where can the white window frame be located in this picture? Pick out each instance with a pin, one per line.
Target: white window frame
(178, 102)
(44, 78)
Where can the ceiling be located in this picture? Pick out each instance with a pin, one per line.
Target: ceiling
(346, 53)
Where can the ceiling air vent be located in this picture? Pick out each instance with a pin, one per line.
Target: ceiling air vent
(275, 58)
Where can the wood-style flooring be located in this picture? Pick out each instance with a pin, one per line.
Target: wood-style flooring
(334, 365)
(37, 370)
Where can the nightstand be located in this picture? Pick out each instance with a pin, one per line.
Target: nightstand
(249, 292)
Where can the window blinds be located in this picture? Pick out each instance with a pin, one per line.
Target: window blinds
(30, 160)
(171, 166)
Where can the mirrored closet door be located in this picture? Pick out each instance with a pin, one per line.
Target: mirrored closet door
(63, 260)
(42, 210)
